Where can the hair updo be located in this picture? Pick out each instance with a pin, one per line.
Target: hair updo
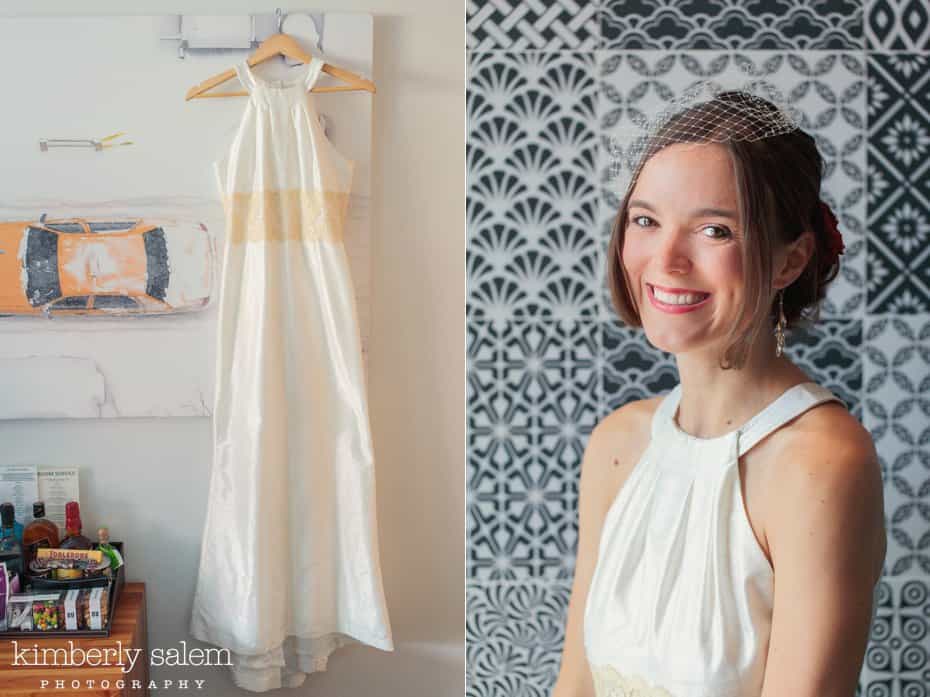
(778, 188)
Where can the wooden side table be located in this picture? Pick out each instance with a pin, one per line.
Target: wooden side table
(129, 627)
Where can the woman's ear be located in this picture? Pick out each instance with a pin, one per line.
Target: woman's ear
(792, 260)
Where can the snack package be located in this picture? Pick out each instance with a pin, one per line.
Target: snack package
(48, 613)
(94, 607)
(65, 564)
(35, 612)
(71, 609)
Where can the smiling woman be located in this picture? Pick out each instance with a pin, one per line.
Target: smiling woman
(761, 196)
(680, 235)
(748, 471)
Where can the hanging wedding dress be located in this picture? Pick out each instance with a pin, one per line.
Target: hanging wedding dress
(289, 567)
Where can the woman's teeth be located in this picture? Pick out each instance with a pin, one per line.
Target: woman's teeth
(678, 298)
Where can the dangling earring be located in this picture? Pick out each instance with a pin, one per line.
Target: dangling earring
(780, 326)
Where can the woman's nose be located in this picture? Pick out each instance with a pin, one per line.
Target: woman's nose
(672, 254)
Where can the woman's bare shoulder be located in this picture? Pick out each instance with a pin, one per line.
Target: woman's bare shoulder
(828, 428)
(825, 435)
(626, 430)
(636, 414)
(828, 469)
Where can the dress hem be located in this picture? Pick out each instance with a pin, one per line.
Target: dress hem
(383, 642)
(260, 676)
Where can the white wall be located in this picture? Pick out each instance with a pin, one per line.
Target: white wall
(148, 478)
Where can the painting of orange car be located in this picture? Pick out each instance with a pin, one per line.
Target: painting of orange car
(112, 266)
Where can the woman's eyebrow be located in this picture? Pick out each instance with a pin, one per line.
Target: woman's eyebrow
(720, 212)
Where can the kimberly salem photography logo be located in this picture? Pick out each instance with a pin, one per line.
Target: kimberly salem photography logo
(70, 656)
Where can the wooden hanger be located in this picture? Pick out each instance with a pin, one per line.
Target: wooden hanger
(281, 45)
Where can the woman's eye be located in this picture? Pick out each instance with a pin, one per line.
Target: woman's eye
(722, 232)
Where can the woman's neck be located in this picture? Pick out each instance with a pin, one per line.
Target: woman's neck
(715, 401)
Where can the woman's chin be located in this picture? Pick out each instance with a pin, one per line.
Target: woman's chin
(675, 343)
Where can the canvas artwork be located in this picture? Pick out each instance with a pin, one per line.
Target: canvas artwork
(104, 266)
(111, 227)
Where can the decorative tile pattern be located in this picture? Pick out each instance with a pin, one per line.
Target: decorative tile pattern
(634, 368)
(532, 199)
(531, 25)
(897, 413)
(896, 658)
(828, 90)
(831, 353)
(899, 184)
(533, 395)
(733, 24)
(897, 25)
(514, 638)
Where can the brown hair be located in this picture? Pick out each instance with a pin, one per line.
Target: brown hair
(778, 186)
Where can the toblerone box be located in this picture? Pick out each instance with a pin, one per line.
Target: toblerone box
(86, 555)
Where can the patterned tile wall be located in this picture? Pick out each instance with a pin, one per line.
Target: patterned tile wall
(549, 83)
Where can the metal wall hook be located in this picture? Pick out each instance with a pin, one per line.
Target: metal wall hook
(192, 34)
(47, 143)
(93, 143)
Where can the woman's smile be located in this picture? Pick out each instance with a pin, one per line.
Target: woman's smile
(676, 300)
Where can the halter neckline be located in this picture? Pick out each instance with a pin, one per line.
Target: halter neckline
(793, 401)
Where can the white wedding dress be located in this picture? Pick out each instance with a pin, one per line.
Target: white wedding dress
(289, 567)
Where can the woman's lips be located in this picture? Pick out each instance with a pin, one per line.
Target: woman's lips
(673, 309)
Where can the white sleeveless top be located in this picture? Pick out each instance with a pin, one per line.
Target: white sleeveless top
(680, 604)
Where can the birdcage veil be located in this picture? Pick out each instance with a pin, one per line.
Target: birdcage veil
(743, 107)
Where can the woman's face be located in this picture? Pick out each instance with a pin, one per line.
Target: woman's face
(682, 248)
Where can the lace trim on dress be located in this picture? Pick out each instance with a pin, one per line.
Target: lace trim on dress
(609, 683)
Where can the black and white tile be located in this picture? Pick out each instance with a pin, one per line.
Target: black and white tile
(831, 353)
(899, 184)
(897, 25)
(897, 658)
(897, 413)
(532, 199)
(533, 390)
(732, 24)
(532, 25)
(634, 368)
(514, 638)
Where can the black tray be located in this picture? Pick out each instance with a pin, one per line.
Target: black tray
(116, 585)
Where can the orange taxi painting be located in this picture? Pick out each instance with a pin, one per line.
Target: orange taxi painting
(106, 266)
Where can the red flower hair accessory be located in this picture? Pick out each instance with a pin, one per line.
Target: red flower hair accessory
(834, 238)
